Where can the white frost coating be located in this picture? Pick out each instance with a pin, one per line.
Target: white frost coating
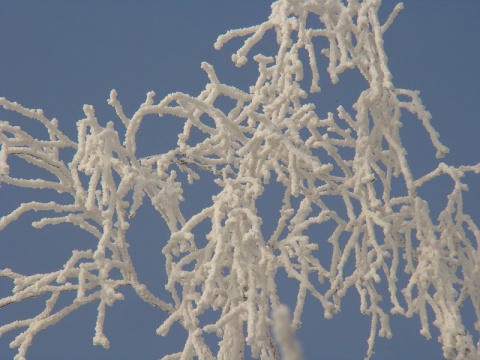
(271, 133)
(284, 334)
(4, 168)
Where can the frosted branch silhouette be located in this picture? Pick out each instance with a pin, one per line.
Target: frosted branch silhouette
(271, 133)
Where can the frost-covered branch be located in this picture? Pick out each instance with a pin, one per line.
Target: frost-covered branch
(272, 133)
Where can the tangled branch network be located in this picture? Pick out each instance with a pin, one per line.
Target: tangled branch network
(271, 134)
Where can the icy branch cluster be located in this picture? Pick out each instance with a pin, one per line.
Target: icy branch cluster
(271, 134)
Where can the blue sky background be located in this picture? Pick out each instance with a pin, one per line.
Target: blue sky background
(59, 55)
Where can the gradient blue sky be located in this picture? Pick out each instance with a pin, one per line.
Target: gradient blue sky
(59, 55)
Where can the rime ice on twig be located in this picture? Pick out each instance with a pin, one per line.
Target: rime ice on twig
(386, 230)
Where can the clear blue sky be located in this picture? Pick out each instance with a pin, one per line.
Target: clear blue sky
(59, 55)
